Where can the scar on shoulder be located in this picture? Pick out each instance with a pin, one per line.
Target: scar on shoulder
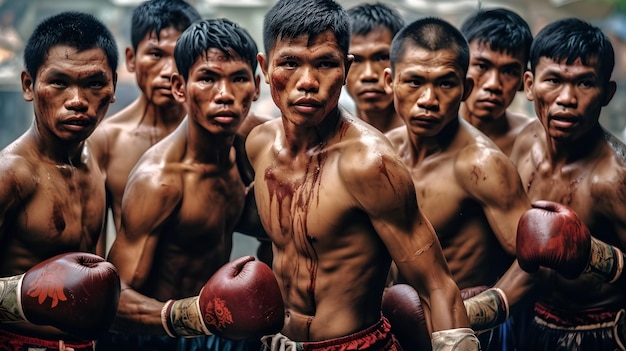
(419, 252)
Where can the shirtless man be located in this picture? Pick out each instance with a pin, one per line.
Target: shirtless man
(336, 201)
(567, 157)
(52, 197)
(468, 188)
(499, 41)
(373, 28)
(122, 138)
(185, 195)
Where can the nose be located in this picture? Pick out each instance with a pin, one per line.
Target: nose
(369, 74)
(308, 81)
(567, 96)
(492, 82)
(427, 99)
(77, 100)
(169, 66)
(224, 95)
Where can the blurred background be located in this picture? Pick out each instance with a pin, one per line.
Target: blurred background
(19, 17)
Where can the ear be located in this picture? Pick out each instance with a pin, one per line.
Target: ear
(349, 60)
(263, 64)
(468, 86)
(257, 87)
(528, 85)
(27, 86)
(114, 86)
(521, 83)
(130, 59)
(388, 81)
(611, 87)
(178, 88)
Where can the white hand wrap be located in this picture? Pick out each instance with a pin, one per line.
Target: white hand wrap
(460, 339)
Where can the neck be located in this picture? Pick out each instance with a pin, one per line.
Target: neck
(58, 151)
(572, 150)
(384, 120)
(425, 146)
(301, 138)
(164, 116)
(205, 147)
(491, 126)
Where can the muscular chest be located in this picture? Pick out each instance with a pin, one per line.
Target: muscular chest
(566, 185)
(66, 210)
(438, 193)
(300, 205)
(210, 207)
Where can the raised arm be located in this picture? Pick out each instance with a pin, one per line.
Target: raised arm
(492, 179)
(385, 191)
(148, 201)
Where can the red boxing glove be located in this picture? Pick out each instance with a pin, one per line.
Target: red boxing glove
(76, 292)
(402, 306)
(241, 300)
(552, 235)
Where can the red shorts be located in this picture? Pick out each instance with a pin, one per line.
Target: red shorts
(376, 337)
(15, 342)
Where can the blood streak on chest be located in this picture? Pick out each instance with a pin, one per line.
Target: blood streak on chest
(295, 199)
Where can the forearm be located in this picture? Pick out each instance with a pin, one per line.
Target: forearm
(138, 313)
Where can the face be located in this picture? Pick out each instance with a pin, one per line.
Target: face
(365, 82)
(153, 64)
(72, 91)
(567, 97)
(305, 78)
(497, 79)
(219, 91)
(428, 88)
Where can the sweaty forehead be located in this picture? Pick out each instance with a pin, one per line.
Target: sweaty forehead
(324, 41)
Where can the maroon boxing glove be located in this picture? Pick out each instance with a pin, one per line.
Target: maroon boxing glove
(552, 235)
(402, 306)
(76, 292)
(241, 300)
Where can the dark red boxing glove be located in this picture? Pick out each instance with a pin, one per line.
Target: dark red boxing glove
(402, 306)
(76, 292)
(552, 235)
(241, 300)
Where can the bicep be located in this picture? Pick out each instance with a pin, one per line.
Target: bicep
(387, 195)
(496, 185)
(145, 207)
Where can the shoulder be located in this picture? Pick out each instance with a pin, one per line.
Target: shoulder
(527, 137)
(261, 137)
(368, 157)
(251, 121)
(18, 173)
(397, 136)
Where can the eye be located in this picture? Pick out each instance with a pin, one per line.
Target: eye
(241, 79)
(513, 72)
(156, 54)
(328, 64)
(383, 58)
(587, 83)
(58, 83)
(97, 84)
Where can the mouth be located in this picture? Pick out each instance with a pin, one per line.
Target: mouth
(563, 122)
(489, 103)
(423, 120)
(371, 94)
(225, 116)
(77, 123)
(307, 106)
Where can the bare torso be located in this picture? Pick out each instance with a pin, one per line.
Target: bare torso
(56, 207)
(121, 140)
(186, 222)
(504, 130)
(593, 186)
(460, 188)
(330, 263)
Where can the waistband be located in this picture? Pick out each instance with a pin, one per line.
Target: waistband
(376, 336)
(579, 319)
(28, 341)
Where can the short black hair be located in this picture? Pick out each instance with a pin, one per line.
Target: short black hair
(221, 34)
(293, 18)
(78, 30)
(572, 38)
(433, 34)
(368, 17)
(156, 15)
(504, 31)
